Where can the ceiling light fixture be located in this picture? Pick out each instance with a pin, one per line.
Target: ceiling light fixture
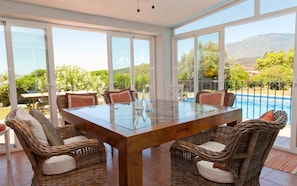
(138, 9)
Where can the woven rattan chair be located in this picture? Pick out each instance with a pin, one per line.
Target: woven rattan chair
(89, 155)
(240, 150)
(106, 95)
(229, 99)
(62, 103)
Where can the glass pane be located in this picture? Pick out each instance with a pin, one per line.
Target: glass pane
(241, 10)
(4, 98)
(185, 65)
(259, 66)
(4, 91)
(270, 6)
(30, 59)
(207, 61)
(80, 61)
(142, 67)
(121, 62)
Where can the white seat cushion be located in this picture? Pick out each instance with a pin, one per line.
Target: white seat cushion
(58, 165)
(213, 146)
(63, 163)
(205, 169)
(74, 139)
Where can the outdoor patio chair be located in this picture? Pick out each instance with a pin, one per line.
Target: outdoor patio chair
(226, 155)
(219, 98)
(119, 96)
(70, 100)
(58, 156)
(222, 98)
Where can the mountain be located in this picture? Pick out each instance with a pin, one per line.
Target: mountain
(254, 47)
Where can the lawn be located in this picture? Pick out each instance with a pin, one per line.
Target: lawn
(3, 112)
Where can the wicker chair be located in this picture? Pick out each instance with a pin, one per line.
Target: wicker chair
(106, 95)
(242, 152)
(89, 155)
(62, 103)
(229, 99)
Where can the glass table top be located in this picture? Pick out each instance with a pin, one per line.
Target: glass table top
(128, 115)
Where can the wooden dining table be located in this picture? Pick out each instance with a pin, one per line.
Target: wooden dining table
(130, 129)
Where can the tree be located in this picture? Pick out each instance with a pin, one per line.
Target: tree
(276, 69)
(208, 60)
(276, 58)
(121, 81)
(276, 77)
(74, 78)
(235, 75)
(186, 66)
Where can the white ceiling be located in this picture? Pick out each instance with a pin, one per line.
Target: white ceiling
(168, 13)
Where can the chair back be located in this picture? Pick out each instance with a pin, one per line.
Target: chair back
(175, 92)
(107, 95)
(249, 146)
(63, 102)
(229, 97)
(25, 136)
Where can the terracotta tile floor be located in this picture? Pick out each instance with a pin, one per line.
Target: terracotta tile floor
(156, 162)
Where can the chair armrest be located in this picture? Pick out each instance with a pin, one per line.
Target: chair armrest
(68, 131)
(203, 154)
(80, 148)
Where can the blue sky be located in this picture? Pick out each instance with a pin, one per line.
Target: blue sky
(284, 24)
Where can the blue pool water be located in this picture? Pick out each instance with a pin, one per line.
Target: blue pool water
(253, 106)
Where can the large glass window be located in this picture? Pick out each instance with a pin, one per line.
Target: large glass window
(208, 61)
(80, 61)
(142, 66)
(185, 65)
(267, 5)
(4, 92)
(259, 66)
(237, 12)
(121, 62)
(131, 64)
(29, 48)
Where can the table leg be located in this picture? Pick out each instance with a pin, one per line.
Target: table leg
(130, 168)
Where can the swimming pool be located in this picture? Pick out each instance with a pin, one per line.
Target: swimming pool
(253, 106)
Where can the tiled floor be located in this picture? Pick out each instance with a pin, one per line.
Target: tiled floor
(156, 162)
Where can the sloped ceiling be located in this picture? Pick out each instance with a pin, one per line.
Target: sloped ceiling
(168, 13)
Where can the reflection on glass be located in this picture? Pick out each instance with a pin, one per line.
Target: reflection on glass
(208, 61)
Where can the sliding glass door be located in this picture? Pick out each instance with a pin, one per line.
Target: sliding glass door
(131, 64)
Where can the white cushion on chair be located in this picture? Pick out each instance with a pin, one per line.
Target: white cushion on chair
(213, 146)
(34, 125)
(205, 169)
(58, 165)
(74, 139)
(63, 163)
